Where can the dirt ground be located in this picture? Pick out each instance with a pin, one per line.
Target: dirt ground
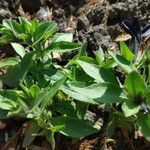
(99, 23)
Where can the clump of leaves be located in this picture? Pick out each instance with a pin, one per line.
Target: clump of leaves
(34, 82)
(56, 98)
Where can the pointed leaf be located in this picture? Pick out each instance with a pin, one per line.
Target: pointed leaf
(32, 128)
(74, 127)
(9, 62)
(77, 95)
(126, 52)
(44, 30)
(99, 56)
(18, 72)
(44, 97)
(100, 92)
(134, 83)
(144, 124)
(130, 108)
(82, 51)
(67, 37)
(63, 47)
(49, 95)
(19, 49)
(99, 74)
(8, 99)
(122, 62)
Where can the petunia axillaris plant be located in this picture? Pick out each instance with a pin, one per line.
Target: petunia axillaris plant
(56, 98)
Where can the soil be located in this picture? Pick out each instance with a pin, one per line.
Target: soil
(99, 23)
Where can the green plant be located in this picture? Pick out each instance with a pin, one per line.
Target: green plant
(56, 98)
(34, 82)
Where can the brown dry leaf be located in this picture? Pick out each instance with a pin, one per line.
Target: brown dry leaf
(123, 37)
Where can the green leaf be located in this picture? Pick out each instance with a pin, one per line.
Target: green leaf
(19, 49)
(6, 39)
(87, 59)
(34, 24)
(51, 139)
(63, 47)
(25, 90)
(27, 63)
(99, 74)
(44, 30)
(100, 92)
(8, 99)
(99, 56)
(9, 62)
(45, 96)
(82, 51)
(64, 108)
(34, 90)
(25, 24)
(10, 31)
(134, 83)
(148, 95)
(32, 128)
(12, 77)
(74, 127)
(109, 63)
(130, 108)
(56, 128)
(51, 31)
(3, 114)
(8, 23)
(126, 52)
(122, 62)
(17, 27)
(77, 96)
(81, 109)
(91, 69)
(144, 124)
(79, 75)
(18, 72)
(67, 37)
(49, 95)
